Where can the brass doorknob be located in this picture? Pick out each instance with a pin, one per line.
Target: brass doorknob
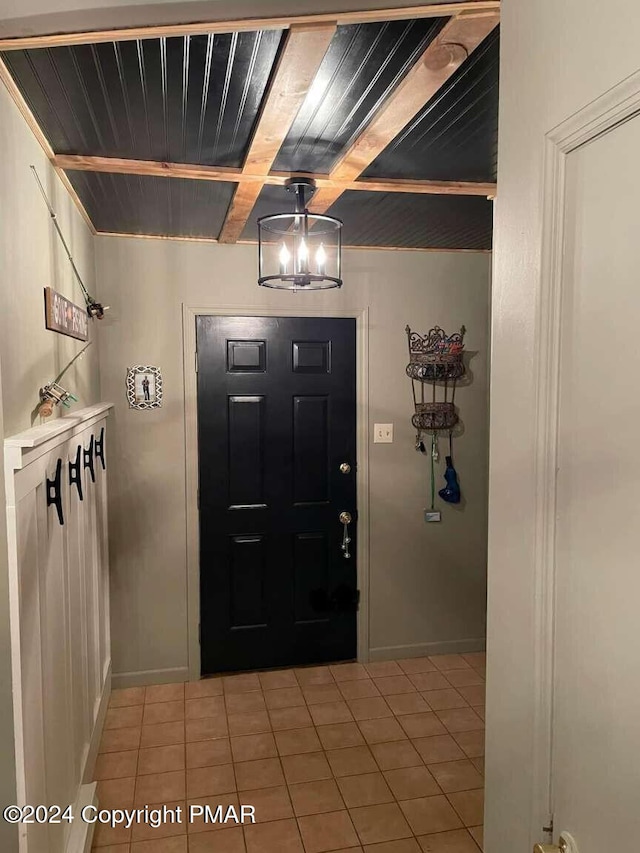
(566, 844)
(345, 468)
(345, 518)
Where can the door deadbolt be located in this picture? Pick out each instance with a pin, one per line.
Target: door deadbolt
(345, 468)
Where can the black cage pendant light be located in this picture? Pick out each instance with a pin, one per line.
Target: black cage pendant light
(300, 250)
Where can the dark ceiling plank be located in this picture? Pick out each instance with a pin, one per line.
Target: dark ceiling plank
(154, 168)
(444, 55)
(303, 51)
(433, 10)
(28, 116)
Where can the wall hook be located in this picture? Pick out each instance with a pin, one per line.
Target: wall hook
(75, 473)
(54, 491)
(99, 449)
(88, 460)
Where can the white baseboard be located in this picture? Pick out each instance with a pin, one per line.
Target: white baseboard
(81, 834)
(149, 676)
(94, 744)
(418, 650)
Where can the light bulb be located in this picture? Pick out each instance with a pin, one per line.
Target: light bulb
(284, 259)
(321, 259)
(303, 256)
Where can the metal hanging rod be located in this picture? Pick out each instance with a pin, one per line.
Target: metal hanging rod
(94, 309)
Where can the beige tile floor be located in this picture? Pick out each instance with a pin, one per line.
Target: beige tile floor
(379, 758)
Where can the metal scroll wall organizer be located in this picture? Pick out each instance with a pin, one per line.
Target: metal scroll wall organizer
(436, 363)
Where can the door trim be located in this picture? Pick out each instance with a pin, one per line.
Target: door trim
(614, 107)
(189, 314)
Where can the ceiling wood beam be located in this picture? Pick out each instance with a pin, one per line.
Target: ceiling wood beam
(303, 51)
(154, 168)
(444, 55)
(158, 169)
(418, 187)
(434, 10)
(176, 239)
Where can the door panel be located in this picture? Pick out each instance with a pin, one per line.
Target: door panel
(311, 571)
(310, 450)
(596, 717)
(276, 418)
(312, 356)
(246, 452)
(247, 582)
(246, 356)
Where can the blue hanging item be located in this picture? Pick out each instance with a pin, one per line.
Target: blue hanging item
(451, 492)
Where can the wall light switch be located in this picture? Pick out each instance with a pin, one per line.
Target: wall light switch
(383, 433)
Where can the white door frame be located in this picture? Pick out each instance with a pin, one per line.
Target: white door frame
(189, 314)
(602, 115)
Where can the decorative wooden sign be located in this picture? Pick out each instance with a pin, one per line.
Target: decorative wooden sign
(61, 315)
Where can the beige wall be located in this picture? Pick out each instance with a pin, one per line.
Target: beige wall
(555, 58)
(32, 258)
(427, 582)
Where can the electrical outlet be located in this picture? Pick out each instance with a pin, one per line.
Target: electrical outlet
(383, 433)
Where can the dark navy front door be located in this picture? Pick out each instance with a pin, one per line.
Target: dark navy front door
(277, 442)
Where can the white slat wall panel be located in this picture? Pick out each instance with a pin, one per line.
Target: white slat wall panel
(59, 587)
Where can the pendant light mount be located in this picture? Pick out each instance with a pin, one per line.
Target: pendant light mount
(300, 250)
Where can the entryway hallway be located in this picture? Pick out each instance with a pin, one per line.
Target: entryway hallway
(385, 757)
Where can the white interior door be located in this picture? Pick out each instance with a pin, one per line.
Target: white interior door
(595, 764)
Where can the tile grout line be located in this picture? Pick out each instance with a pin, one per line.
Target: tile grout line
(324, 750)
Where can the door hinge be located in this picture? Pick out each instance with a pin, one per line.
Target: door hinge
(196, 359)
(199, 633)
(357, 599)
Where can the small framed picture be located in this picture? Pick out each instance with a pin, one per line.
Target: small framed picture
(144, 387)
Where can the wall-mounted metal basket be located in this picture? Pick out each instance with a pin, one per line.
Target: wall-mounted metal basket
(437, 359)
(436, 356)
(441, 368)
(430, 417)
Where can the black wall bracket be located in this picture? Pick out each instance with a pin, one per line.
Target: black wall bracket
(99, 449)
(88, 460)
(75, 473)
(54, 491)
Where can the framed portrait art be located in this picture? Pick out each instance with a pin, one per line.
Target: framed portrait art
(144, 387)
